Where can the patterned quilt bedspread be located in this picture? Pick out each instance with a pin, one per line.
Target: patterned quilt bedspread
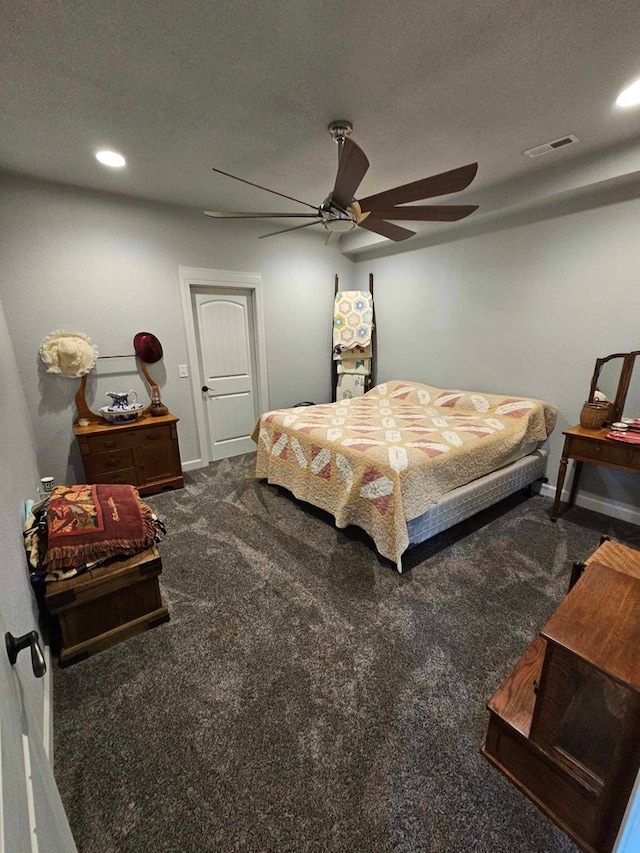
(382, 459)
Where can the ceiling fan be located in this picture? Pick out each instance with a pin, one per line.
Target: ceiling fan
(341, 212)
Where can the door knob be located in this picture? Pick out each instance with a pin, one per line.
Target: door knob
(206, 388)
(16, 644)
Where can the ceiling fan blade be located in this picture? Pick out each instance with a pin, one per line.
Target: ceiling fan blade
(332, 237)
(387, 229)
(220, 214)
(425, 213)
(266, 189)
(446, 182)
(351, 170)
(295, 228)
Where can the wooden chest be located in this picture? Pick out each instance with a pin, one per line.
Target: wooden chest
(106, 605)
(144, 453)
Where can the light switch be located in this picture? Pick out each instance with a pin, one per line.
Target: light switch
(183, 372)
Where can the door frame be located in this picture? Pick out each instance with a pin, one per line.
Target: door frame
(196, 277)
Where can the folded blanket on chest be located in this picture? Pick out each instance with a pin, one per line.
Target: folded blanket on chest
(91, 522)
(352, 318)
(384, 458)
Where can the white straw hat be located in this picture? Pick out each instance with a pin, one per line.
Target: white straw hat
(68, 353)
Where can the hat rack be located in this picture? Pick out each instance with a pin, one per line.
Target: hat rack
(143, 367)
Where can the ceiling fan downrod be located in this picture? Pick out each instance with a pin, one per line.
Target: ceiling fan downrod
(340, 129)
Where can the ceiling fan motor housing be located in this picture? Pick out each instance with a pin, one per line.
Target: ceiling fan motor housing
(335, 219)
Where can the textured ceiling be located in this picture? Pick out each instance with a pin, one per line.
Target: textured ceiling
(249, 86)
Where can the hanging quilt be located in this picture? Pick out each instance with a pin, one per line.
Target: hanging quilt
(352, 319)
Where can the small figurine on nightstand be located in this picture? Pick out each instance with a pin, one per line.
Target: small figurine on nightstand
(157, 407)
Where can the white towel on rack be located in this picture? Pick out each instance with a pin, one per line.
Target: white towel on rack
(359, 366)
(340, 353)
(349, 385)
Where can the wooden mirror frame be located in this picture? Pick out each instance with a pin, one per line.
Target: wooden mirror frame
(628, 363)
(81, 398)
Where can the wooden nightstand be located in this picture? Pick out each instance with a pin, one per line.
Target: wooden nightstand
(592, 445)
(144, 453)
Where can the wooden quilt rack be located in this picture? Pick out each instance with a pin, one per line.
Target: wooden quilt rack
(370, 380)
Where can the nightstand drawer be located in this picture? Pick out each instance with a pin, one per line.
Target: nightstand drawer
(153, 435)
(104, 463)
(602, 450)
(111, 441)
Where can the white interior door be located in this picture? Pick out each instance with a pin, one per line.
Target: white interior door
(32, 818)
(226, 341)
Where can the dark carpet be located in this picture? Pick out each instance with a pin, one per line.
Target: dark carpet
(306, 697)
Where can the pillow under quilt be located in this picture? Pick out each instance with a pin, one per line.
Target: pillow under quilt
(88, 523)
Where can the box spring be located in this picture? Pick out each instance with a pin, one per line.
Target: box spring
(465, 501)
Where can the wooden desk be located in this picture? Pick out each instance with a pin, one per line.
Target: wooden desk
(563, 725)
(591, 445)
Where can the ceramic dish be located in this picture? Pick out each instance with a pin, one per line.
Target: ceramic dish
(122, 416)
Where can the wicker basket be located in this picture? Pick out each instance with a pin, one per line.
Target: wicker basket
(594, 415)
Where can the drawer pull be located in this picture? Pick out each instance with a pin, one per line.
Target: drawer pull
(110, 443)
(153, 436)
(114, 462)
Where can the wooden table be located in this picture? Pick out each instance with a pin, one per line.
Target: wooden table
(563, 725)
(592, 445)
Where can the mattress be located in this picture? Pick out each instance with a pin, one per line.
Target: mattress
(465, 501)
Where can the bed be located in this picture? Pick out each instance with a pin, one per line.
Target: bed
(406, 460)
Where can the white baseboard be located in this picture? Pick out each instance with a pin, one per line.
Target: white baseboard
(192, 464)
(614, 509)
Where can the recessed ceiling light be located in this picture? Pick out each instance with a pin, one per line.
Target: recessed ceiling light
(630, 96)
(111, 158)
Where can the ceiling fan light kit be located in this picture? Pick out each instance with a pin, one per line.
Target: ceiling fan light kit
(338, 224)
(337, 220)
(341, 212)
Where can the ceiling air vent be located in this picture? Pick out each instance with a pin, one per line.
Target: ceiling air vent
(569, 139)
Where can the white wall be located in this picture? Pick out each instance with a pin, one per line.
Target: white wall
(18, 482)
(108, 266)
(524, 311)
